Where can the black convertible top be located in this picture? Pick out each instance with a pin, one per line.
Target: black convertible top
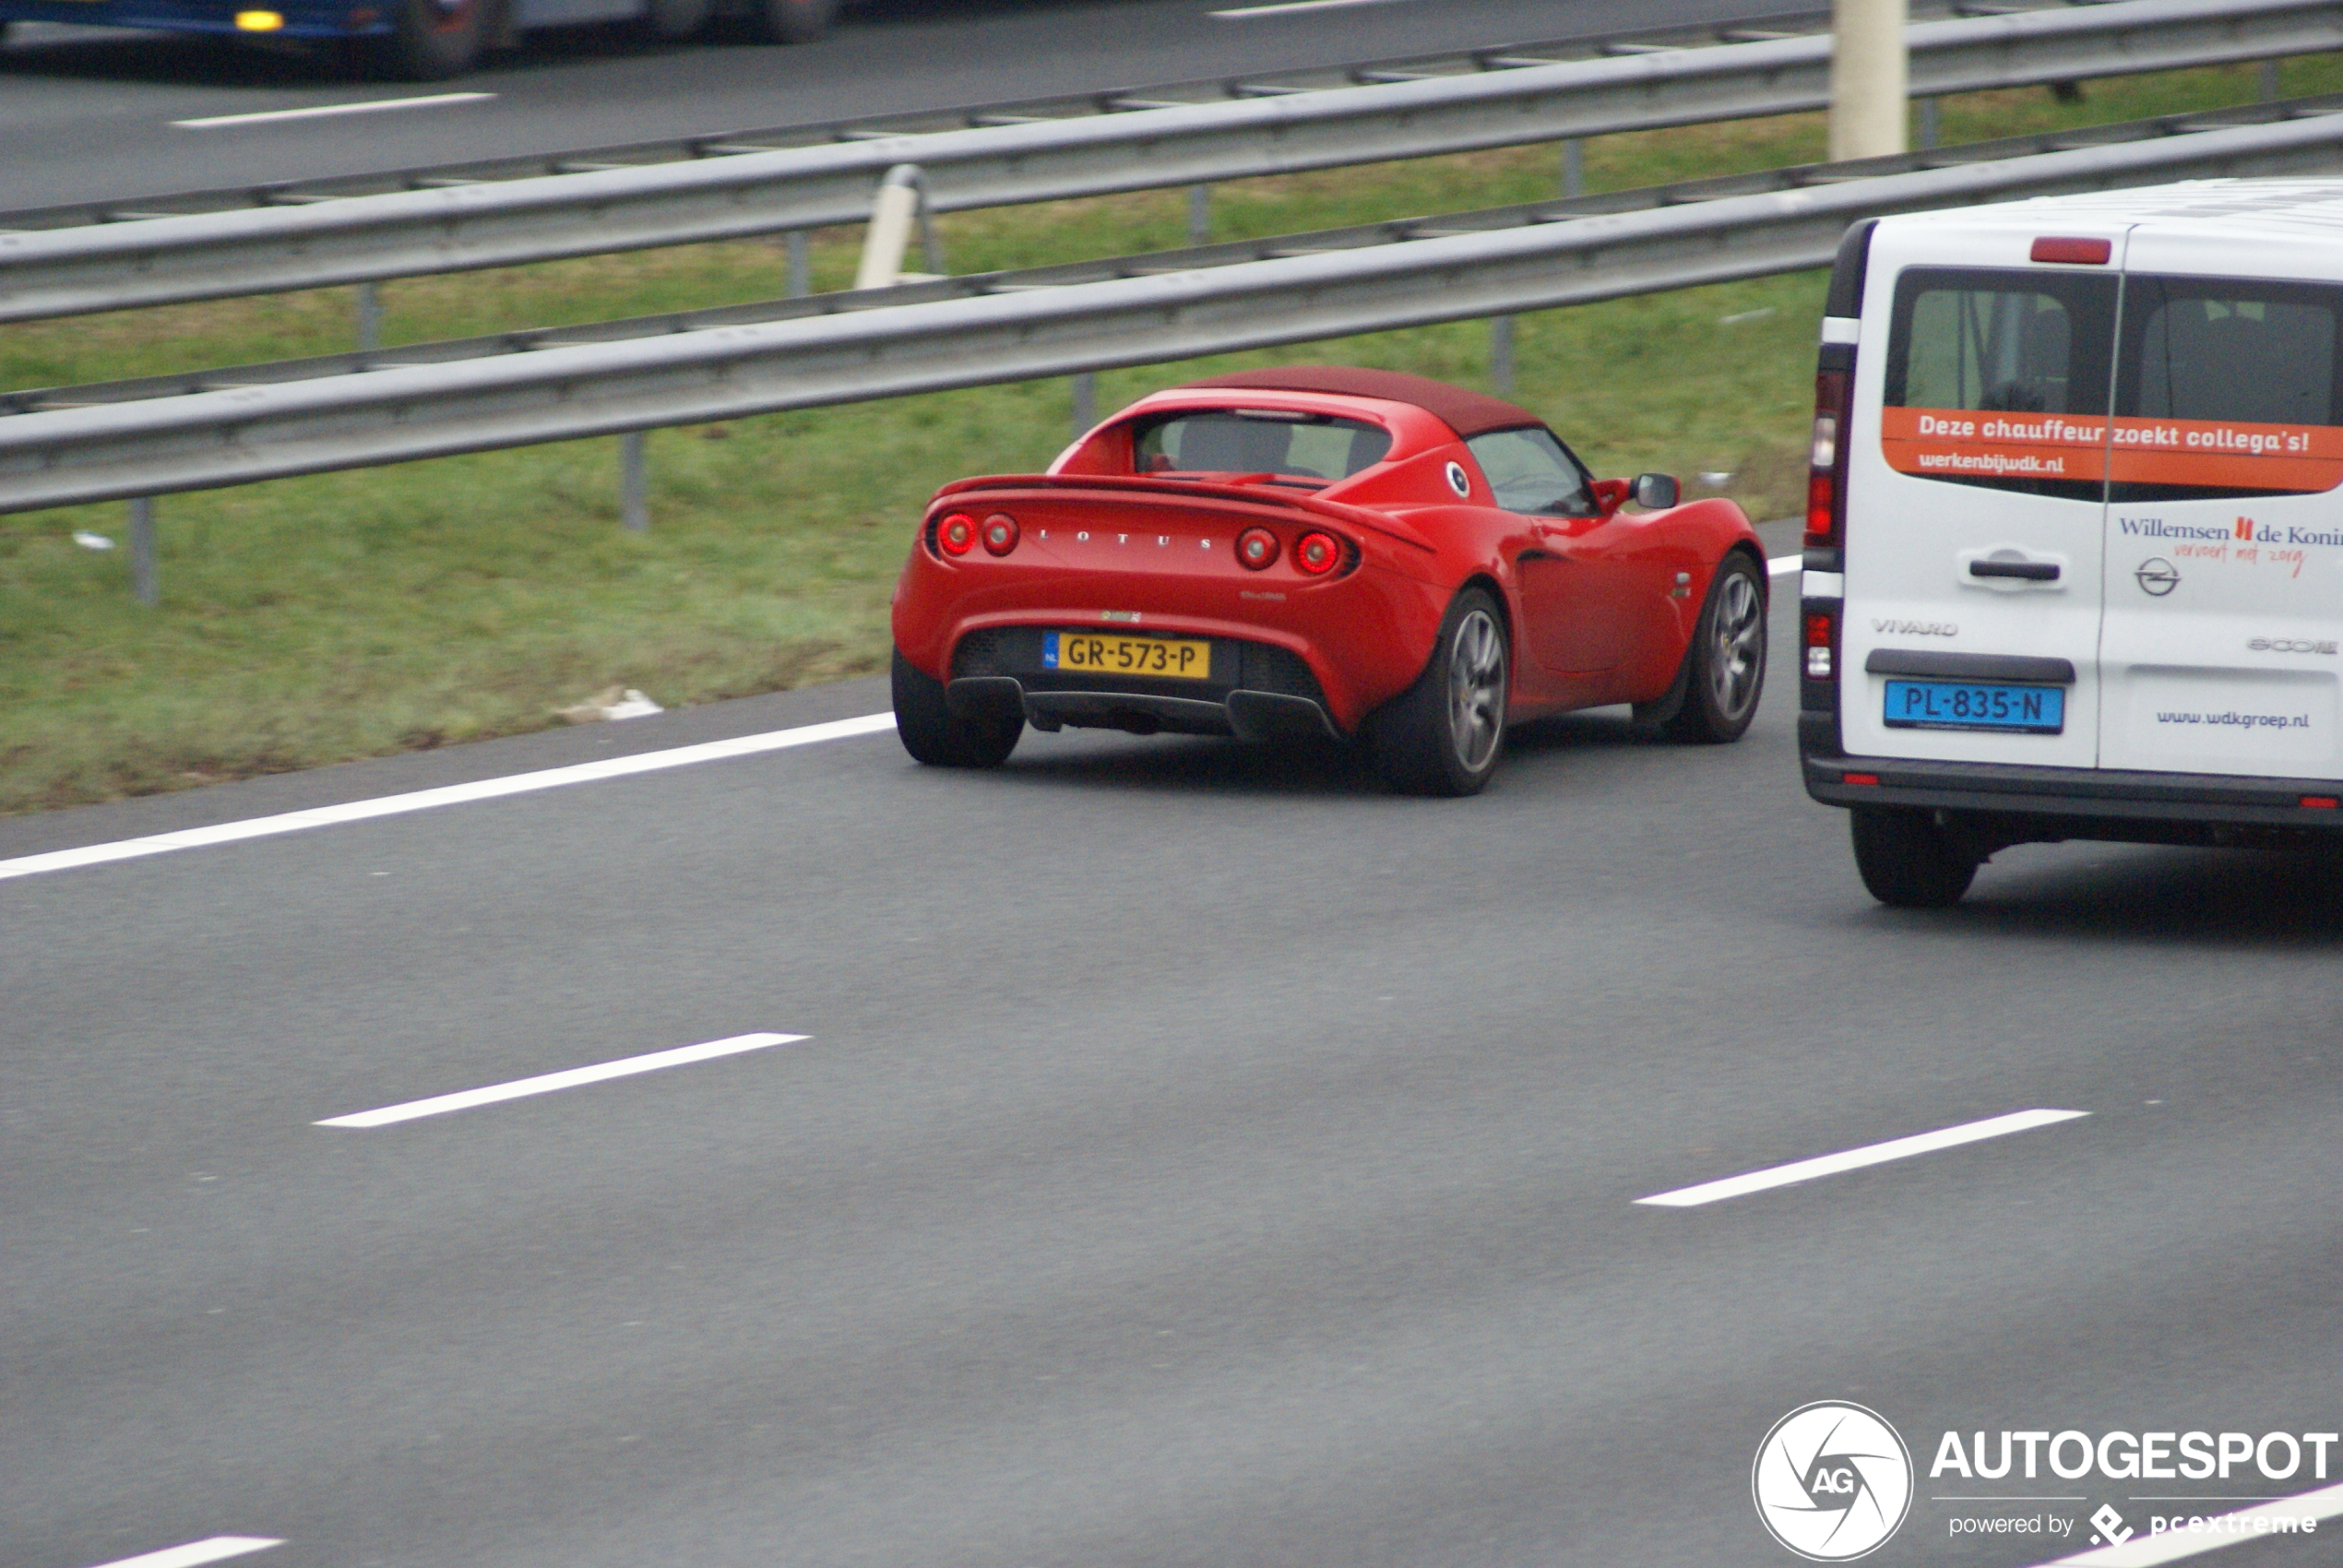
(1467, 413)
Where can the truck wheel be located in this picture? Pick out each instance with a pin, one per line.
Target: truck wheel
(794, 22)
(1907, 861)
(934, 734)
(431, 40)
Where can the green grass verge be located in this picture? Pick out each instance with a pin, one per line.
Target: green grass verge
(312, 621)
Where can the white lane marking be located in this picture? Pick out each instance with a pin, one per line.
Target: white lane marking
(197, 1552)
(546, 1083)
(447, 795)
(374, 106)
(2146, 1551)
(1286, 6)
(1782, 565)
(1856, 1158)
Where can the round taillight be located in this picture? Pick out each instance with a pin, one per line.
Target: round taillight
(1257, 548)
(1000, 533)
(955, 535)
(1317, 553)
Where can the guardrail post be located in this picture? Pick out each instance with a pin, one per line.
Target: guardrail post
(1573, 169)
(902, 195)
(370, 318)
(1199, 214)
(634, 482)
(1501, 352)
(1085, 401)
(2269, 81)
(1869, 70)
(1928, 125)
(801, 265)
(146, 586)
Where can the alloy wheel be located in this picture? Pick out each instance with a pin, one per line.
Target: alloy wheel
(1477, 690)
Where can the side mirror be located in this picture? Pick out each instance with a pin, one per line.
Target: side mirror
(1656, 492)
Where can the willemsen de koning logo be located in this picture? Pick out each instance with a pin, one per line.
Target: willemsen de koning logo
(1832, 1481)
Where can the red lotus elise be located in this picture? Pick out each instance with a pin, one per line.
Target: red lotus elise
(1320, 552)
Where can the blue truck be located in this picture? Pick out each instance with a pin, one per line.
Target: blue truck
(423, 40)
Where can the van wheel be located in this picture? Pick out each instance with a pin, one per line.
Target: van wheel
(1442, 735)
(934, 734)
(1725, 667)
(672, 20)
(1907, 861)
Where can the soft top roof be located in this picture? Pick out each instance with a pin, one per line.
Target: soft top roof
(1467, 413)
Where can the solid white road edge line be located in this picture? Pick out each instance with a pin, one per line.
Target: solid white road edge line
(1783, 565)
(546, 1083)
(482, 789)
(2146, 1550)
(1856, 1158)
(266, 116)
(447, 795)
(196, 1552)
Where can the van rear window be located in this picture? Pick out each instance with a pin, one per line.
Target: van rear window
(2220, 387)
(2226, 388)
(2030, 345)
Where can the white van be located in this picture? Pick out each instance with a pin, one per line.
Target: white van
(2074, 542)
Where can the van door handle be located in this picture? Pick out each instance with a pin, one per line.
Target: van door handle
(2031, 571)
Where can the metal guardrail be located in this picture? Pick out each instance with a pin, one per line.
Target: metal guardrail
(62, 272)
(234, 436)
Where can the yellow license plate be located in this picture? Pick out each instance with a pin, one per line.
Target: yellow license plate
(1179, 660)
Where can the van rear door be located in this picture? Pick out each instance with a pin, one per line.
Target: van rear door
(1975, 501)
(2224, 537)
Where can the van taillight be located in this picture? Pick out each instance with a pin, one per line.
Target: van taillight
(2073, 252)
(1822, 644)
(1826, 462)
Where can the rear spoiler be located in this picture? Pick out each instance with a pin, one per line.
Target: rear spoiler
(1150, 487)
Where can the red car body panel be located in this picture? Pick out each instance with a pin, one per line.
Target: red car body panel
(1602, 608)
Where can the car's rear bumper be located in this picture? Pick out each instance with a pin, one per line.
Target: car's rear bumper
(2024, 803)
(1247, 715)
(1257, 690)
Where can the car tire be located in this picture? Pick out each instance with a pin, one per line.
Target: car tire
(1724, 670)
(934, 734)
(792, 21)
(431, 41)
(671, 21)
(1443, 735)
(1909, 863)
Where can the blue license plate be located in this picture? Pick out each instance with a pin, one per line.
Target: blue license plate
(1969, 705)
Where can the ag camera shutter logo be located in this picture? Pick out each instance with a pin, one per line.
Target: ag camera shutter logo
(1832, 1481)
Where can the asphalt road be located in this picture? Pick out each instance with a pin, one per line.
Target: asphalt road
(1196, 1157)
(90, 115)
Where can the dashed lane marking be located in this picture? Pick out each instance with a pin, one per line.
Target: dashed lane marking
(546, 1083)
(1856, 1158)
(2147, 1549)
(322, 111)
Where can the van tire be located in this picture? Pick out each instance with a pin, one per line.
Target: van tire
(1435, 738)
(671, 21)
(934, 734)
(1907, 861)
(1724, 670)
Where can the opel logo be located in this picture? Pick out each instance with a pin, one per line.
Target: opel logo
(2157, 576)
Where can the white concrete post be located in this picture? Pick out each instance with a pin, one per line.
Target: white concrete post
(902, 197)
(1867, 80)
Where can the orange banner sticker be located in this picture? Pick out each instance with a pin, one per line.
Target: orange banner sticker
(2224, 454)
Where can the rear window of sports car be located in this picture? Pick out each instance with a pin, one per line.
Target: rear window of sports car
(1314, 448)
